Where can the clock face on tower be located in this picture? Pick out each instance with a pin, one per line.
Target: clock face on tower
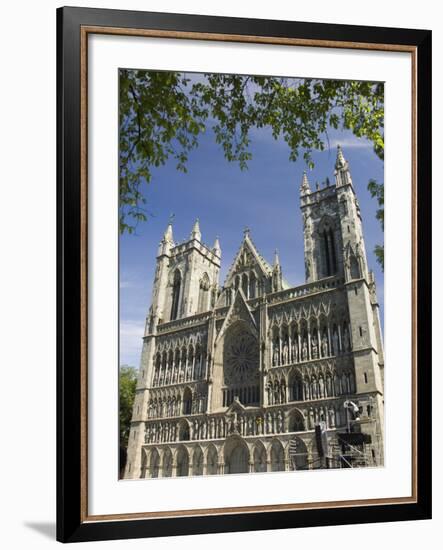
(241, 357)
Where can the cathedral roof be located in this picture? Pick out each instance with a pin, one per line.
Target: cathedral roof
(248, 254)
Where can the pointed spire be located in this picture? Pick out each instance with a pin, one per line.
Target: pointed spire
(167, 242)
(342, 174)
(167, 236)
(196, 233)
(216, 248)
(277, 280)
(340, 162)
(304, 188)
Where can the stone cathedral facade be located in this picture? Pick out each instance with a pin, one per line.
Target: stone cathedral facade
(257, 375)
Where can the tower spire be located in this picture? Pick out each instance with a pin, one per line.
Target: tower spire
(277, 279)
(304, 188)
(216, 248)
(342, 174)
(167, 236)
(340, 162)
(167, 242)
(196, 233)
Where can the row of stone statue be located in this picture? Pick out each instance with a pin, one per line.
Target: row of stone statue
(310, 387)
(278, 392)
(175, 405)
(180, 367)
(272, 422)
(298, 348)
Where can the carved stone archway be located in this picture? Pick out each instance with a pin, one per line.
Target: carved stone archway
(236, 456)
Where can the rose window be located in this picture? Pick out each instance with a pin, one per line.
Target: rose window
(241, 358)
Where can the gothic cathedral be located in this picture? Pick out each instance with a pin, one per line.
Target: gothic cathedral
(256, 375)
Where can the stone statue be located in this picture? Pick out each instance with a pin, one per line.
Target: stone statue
(268, 423)
(335, 343)
(269, 391)
(259, 422)
(307, 389)
(314, 389)
(321, 387)
(275, 360)
(280, 421)
(293, 352)
(250, 426)
(324, 346)
(232, 423)
(311, 419)
(285, 353)
(314, 347)
(276, 394)
(304, 351)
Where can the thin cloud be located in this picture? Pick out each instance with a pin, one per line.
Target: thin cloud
(131, 334)
(126, 284)
(350, 143)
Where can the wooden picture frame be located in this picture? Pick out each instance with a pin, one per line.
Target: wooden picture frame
(74, 523)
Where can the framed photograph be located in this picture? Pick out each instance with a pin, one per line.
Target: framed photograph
(244, 337)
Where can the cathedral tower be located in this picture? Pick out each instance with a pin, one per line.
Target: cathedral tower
(334, 247)
(191, 283)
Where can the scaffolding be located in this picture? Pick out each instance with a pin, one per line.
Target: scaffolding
(348, 450)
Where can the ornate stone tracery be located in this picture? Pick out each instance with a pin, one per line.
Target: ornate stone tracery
(242, 357)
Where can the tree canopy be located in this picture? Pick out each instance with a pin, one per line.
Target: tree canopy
(127, 383)
(162, 115)
(377, 191)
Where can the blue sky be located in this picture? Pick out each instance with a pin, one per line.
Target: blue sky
(264, 198)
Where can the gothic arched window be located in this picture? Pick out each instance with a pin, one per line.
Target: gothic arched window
(328, 251)
(203, 294)
(252, 286)
(245, 285)
(175, 294)
(187, 401)
(354, 268)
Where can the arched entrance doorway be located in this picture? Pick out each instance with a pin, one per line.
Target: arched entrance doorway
(236, 457)
(182, 462)
(260, 458)
(212, 460)
(277, 457)
(197, 462)
(154, 464)
(298, 454)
